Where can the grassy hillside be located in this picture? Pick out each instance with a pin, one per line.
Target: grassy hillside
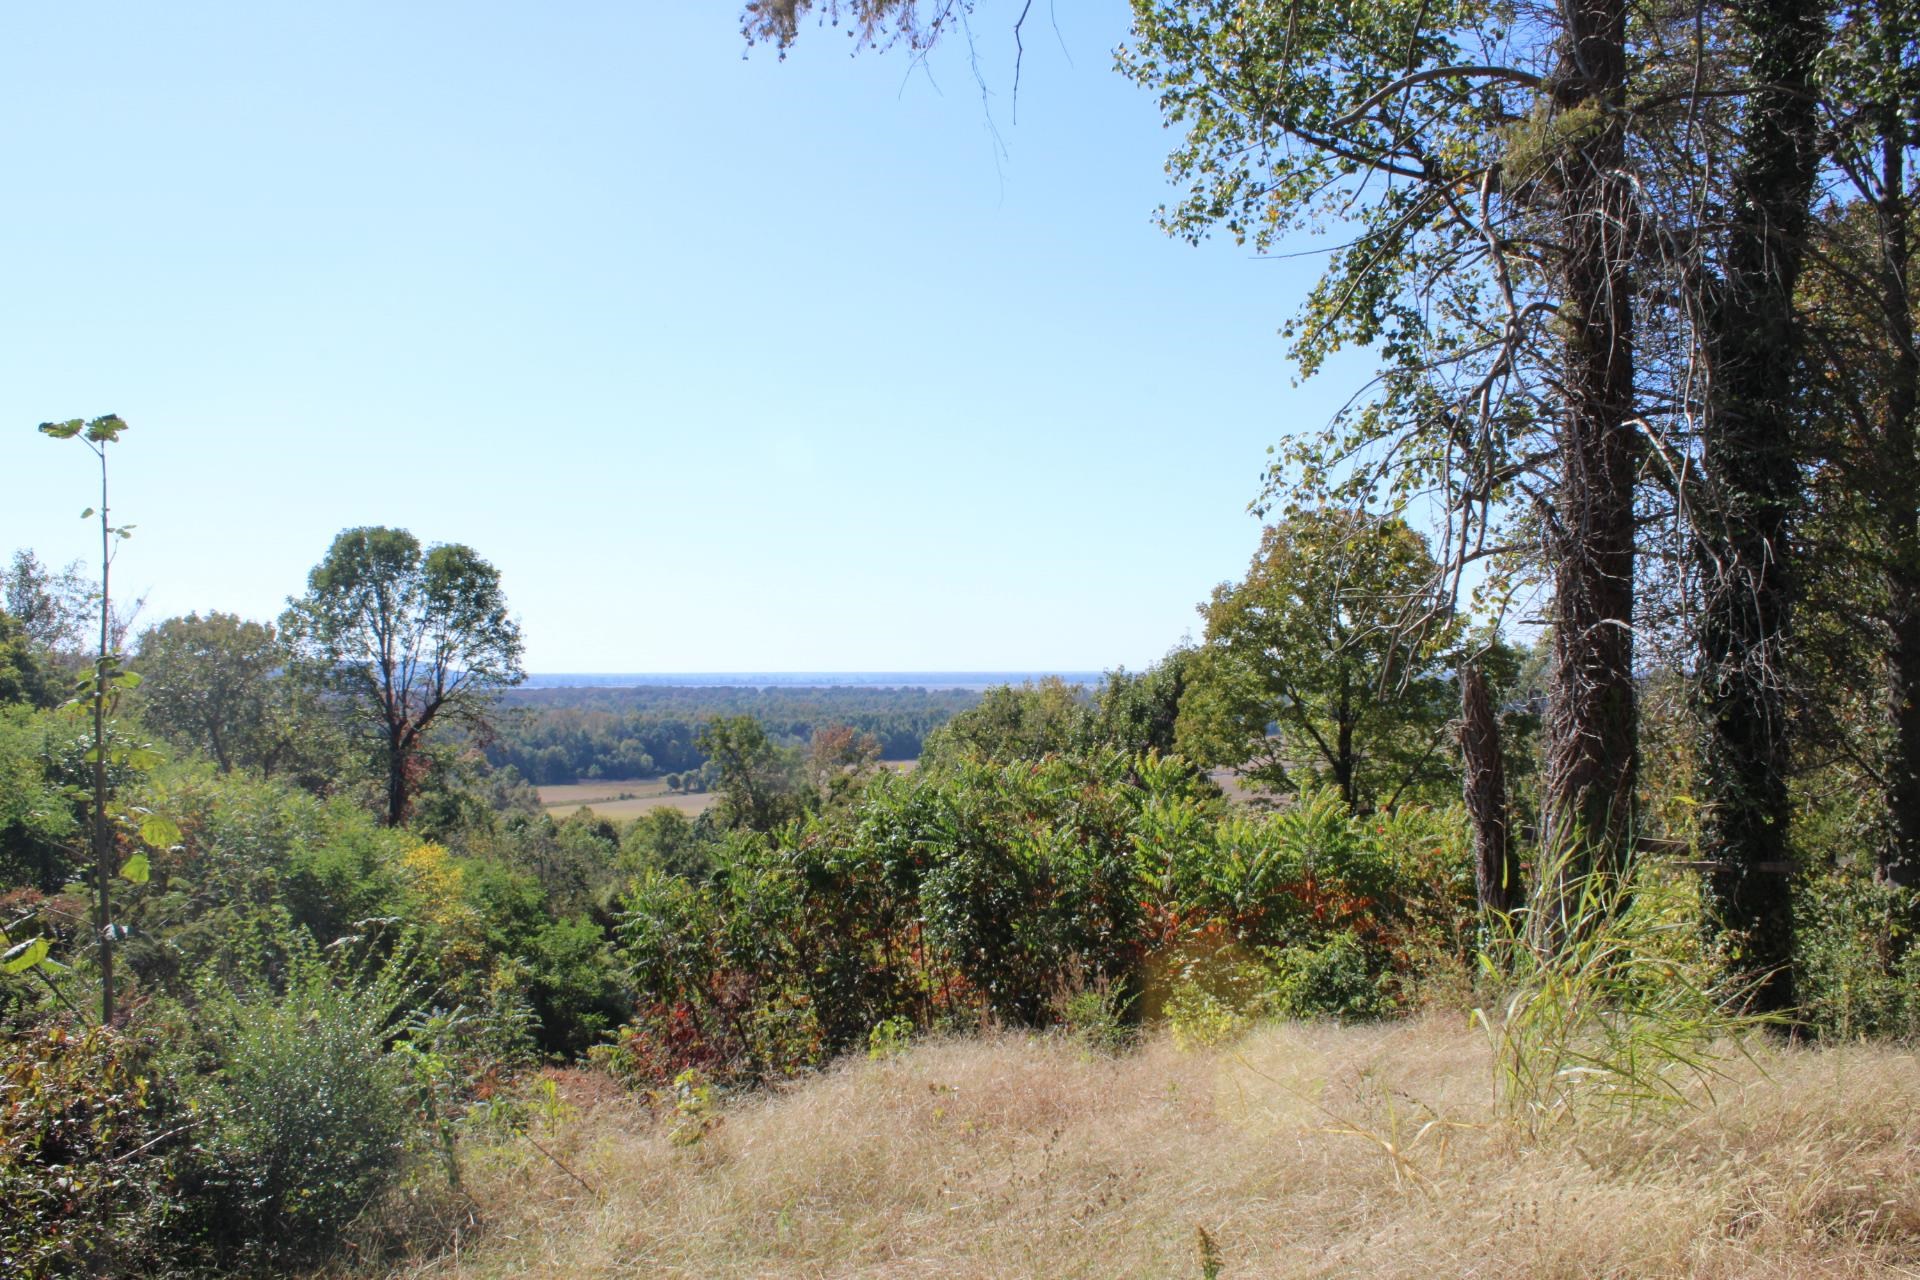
(1304, 1150)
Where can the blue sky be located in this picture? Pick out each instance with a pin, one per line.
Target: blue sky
(728, 364)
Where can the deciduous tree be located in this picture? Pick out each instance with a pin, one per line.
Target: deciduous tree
(1314, 643)
(759, 781)
(23, 677)
(53, 607)
(208, 683)
(406, 638)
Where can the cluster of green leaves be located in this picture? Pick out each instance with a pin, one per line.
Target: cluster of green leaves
(288, 1066)
(321, 1078)
(515, 893)
(1856, 958)
(242, 1128)
(1131, 712)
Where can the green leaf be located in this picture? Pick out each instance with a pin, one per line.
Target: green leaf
(25, 955)
(136, 869)
(159, 832)
(127, 680)
(62, 430)
(87, 514)
(105, 428)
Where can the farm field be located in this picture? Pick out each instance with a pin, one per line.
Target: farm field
(625, 799)
(622, 799)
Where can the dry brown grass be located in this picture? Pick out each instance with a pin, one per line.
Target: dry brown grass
(1302, 1151)
(621, 799)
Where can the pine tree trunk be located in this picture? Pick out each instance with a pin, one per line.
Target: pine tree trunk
(1591, 728)
(1897, 483)
(1751, 484)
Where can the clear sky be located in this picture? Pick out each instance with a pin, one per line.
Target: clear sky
(728, 364)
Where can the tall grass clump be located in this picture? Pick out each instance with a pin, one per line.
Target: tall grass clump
(1619, 1007)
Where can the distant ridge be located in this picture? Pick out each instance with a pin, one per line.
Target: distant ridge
(797, 679)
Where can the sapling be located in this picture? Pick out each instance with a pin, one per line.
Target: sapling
(107, 676)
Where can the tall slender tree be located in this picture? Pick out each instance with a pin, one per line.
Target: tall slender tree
(1591, 718)
(1750, 485)
(97, 434)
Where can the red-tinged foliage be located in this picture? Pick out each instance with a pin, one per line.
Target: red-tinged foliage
(90, 1137)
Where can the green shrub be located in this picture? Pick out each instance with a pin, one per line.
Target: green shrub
(1342, 977)
(313, 1109)
(1099, 1015)
(889, 1038)
(1859, 965)
(574, 988)
(1039, 871)
(1199, 1018)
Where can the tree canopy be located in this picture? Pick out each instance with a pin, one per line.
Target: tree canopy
(208, 682)
(407, 638)
(1321, 643)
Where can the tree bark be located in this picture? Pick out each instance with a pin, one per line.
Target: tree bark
(1344, 763)
(1591, 729)
(1751, 470)
(1496, 866)
(398, 792)
(1899, 861)
(1896, 483)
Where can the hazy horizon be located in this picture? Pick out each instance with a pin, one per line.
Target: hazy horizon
(902, 679)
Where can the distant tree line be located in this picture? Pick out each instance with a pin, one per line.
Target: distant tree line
(557, 736)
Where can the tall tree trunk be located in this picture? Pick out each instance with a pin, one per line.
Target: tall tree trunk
(1496, 865)
(1899, 861)
(1751, 484)
(1591, 730)
(1897, 482)
(398, 749)
(1343, 763)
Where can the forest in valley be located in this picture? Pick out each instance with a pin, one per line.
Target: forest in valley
(1571, 696)
(586, 733)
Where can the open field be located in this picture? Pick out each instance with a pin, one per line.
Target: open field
(626, 799)
(622, 799)
(1303, 1151)
(635, 806)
